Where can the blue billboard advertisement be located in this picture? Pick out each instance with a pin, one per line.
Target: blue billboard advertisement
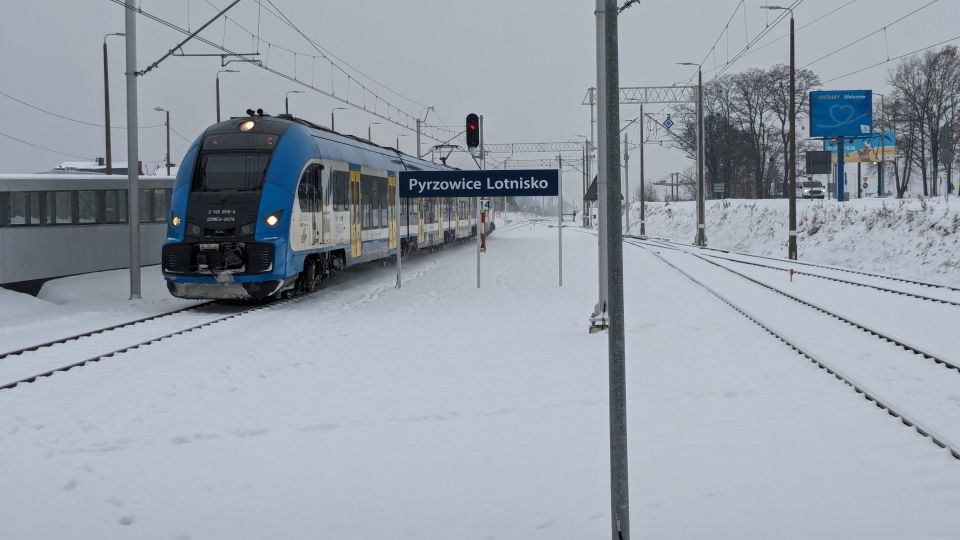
(841, 113)
(865, 149)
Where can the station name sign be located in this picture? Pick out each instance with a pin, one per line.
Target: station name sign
(486, 183)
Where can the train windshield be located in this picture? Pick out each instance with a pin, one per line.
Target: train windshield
(234, 171)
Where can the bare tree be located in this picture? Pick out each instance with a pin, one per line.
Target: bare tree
(805, 80)
(752, 90)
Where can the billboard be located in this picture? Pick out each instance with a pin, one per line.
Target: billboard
(841, 113)
(864, 149)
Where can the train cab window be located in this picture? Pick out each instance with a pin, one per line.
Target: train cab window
(235, 171)
(87, 207)
(59, 208)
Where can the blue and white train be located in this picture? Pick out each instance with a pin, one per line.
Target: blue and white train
(265, 206)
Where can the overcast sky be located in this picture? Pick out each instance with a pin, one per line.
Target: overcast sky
(524, 64)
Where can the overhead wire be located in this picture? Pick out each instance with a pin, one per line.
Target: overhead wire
(891, 59)
(873, 33)
(67, 118)
(345, 100)
(62, 153)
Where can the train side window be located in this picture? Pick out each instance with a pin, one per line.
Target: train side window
(86, 207)
(4, 209)
(145, 205)
(59, 208)
(110, 207)
(161, 204)
(18, 208)
(35, 199)
(366, 202)
(340, 190)
(384, 202)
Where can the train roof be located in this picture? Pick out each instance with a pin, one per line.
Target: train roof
(333, 144)
(71, 182)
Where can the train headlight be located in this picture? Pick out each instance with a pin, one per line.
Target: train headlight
(273, 218)
(247, 125)
(175, 221)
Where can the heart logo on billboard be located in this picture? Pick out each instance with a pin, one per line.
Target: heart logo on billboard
(842, 114)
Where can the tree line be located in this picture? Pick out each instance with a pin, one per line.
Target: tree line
(746, 125)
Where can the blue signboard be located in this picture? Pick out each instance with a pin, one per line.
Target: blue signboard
(487, 183)
(841, 113)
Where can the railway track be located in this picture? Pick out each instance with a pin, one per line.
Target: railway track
(43, 360)
(896, 410)
(951, 294)
(886, 336)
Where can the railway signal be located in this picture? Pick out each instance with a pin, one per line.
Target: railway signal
(473, 131)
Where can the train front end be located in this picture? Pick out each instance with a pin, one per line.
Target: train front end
(230, 212)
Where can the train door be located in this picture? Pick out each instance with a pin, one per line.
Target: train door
(392, 210)
(355, 240)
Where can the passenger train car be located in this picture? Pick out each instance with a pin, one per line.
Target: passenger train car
(55, 225)
(264, 206)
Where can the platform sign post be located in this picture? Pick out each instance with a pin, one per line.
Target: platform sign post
(560, 217)
(396, 214)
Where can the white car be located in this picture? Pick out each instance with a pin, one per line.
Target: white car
(811, 189)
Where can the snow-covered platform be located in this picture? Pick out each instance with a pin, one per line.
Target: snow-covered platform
(442, 411)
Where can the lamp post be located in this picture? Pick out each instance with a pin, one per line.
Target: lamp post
(106, 102)
(369, 134)
(332, 124)
(701, 238)
(286, 99)
(167, 122)
(792, 160)
(218, 89)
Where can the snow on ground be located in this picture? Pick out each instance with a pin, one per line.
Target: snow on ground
(443, 411)
(913, 238)
(77, 304)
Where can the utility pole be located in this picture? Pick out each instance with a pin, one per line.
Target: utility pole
(701, 230)
(792, 159)
(643, 188)
(106, 103)
(133, 160)
(606, 11)
(883, 142)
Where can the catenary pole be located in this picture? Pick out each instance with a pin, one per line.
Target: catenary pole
(643, 189)
(701, 228)
(792, 195)
(133, 160)
(610, 122)
(600, 310)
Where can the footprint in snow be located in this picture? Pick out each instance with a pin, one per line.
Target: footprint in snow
(126, 521)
